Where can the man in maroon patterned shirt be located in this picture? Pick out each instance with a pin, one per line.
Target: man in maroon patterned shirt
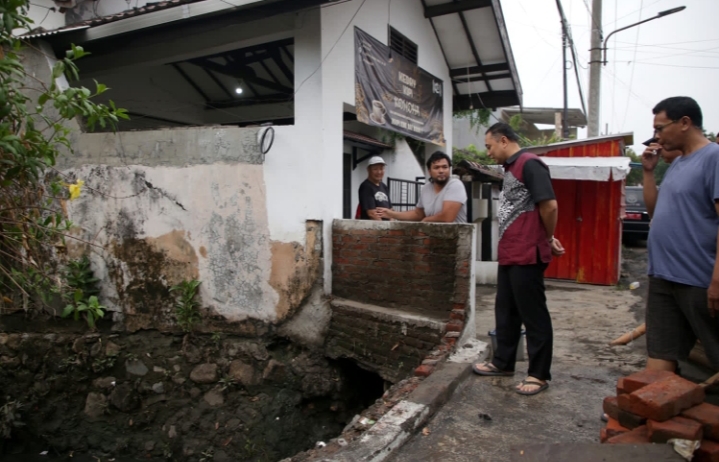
(527, 218)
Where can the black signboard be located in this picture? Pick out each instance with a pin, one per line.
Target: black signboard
(393, 93)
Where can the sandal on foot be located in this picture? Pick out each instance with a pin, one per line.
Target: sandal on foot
(540, 387)
(491, 370)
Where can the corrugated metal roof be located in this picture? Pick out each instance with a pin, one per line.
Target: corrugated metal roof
(356, 137)
(479, 172)
(148, 8)
(473, 37)
(627, 138)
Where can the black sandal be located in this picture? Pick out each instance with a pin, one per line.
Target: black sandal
(493, 371)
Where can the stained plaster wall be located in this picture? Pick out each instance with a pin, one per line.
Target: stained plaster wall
(160, 207)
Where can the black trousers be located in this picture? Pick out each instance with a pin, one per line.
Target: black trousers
(521, 300)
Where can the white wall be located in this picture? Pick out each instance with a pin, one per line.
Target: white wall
(39, 11)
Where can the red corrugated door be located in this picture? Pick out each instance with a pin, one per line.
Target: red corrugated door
(589, 227)
(567, 231)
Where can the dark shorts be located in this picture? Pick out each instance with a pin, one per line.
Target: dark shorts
(678, 315)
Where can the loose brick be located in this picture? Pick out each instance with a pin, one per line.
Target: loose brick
(629, 420)
(662, 400)
(708, 415)
(641, 379)
(611, 407)
(455, 326)
(424, 370)
(707, 452)
(613, 429)
(677, 427)
(603, 437)
(639, 435)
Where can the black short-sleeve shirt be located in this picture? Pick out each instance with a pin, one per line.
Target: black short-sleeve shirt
(372, 196)
(538, 181)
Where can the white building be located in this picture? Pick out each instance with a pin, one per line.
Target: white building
(186, 177)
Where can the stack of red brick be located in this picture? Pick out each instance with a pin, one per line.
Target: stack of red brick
(656, 406)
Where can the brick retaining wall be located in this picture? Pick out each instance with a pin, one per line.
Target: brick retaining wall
(414, 266)
(403, 294)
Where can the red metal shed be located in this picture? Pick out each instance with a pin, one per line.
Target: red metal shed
(588, 178)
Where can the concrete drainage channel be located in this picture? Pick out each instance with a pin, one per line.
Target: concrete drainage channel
(154, 396)
(403, 418)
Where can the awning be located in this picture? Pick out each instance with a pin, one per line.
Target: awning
(474, 40)
(588, 168)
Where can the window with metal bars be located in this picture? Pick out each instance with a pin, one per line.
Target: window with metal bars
(402, 45)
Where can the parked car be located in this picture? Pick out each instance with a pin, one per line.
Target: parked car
(636, 220)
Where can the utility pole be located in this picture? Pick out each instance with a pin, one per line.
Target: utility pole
(565, 44)
(595, 70)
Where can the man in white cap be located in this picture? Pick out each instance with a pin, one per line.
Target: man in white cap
(373, 192)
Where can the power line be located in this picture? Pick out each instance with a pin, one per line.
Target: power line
(677, 65)
(629, 14)
(299, 87)
(631, 76)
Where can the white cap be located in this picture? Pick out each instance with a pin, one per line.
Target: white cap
(376, 160)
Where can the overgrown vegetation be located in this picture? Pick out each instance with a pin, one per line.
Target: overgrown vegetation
(10, 417)
(478, 118)
(89, 309)
(187, 308)
(33, 134)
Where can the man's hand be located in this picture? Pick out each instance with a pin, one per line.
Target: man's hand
(650, 157)
(384, 213)
(713, 298)
(557, 249)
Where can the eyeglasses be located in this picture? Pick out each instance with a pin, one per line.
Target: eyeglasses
(658, 130)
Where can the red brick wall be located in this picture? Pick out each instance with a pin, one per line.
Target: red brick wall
(415, 266)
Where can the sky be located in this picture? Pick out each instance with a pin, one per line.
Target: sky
(676, 55)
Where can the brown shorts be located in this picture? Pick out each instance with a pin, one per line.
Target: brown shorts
(678, 314)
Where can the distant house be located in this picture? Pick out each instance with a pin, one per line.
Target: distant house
(537, 124)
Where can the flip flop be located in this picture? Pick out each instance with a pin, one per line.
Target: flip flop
(493, 371)
(540, 387)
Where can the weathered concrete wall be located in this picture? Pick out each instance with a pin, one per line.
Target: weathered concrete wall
(160, 207)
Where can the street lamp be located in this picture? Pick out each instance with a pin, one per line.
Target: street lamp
(661, 14)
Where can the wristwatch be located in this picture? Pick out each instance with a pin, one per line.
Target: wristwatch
(551, 239)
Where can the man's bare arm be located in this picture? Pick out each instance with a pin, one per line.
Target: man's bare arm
(450, 210)
(549, 211)
(650, 159)
(411, 215)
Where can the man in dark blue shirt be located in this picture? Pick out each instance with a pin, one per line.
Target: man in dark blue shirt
(683, 301)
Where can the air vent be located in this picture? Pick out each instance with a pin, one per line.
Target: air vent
(402, 45)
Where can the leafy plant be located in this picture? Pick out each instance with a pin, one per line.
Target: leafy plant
(9, 417)
(478, 118)
(187, 308)
(390, 137)
(89, 309)
(472, 154)
(79, 276)
(33, 134)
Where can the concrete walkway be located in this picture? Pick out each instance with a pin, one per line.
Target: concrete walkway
(585, 370)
